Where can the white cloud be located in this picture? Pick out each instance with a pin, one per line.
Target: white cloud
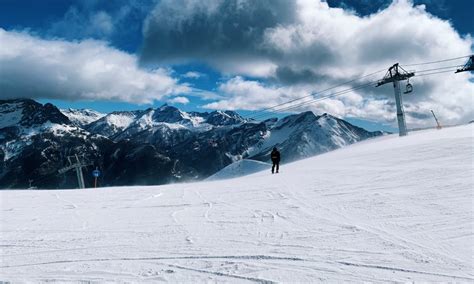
(204, 94)
(83, 70)
(453, 106)
(179, 100)
(193, 75)
(307, 46)
(253, 95)
(225, 34)
(292, 47)
(333, 43)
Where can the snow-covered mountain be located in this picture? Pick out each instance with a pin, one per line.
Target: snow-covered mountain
(221, 118)
(152, 122)
(28, 113)
(306, 134)
(152, 146)
(82, 117)
(35, 140)
(166, 123)
(390, 209)
(113, 123)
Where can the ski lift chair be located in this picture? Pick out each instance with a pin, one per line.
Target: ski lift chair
(408, 88)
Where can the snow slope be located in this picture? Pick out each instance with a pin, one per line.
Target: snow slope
(11, 114)
(82, 117)
(240, 168)
(385, 209)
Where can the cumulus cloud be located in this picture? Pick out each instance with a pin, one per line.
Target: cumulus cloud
(251, 95)
(450, 105)
(254, 95)
(296, 47)
(31, 67)
(193, 75)
(294, 41)
(179, 100)
(225, 33)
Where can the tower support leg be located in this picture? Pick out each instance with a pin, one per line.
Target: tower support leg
(80, 177)
(402, 127)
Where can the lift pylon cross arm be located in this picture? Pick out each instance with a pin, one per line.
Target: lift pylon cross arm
(394, 75)
(469, 66)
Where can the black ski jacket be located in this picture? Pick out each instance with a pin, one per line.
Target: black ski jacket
(275, 156)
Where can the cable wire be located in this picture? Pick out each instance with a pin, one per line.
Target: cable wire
(438, 61)
(342, 92)
(439, 72)
(326, 97)
(314, 93)
(425, 72)
(439, 68)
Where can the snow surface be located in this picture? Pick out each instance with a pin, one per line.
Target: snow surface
(386, 209)
(82, 116)
(148, 121)
(11, 114)
(14, 147)
(239, 169)
(119, 120)
(304, 135)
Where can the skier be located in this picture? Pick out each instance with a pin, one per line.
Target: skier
(275, 156)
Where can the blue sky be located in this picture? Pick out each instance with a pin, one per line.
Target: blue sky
(210, 55)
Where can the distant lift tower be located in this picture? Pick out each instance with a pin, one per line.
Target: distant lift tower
(75, 163)
(469, 65)
(437, 122)
(394, 75)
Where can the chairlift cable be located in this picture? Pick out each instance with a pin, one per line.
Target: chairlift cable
(342, 92)
(315, 93)
(260, 113)
(439, 68)
(357, 87)
(432, 73)
(317, 99)
(438, 61)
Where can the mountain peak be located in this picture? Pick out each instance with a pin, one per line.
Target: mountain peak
(82, 117)
(27, 113)
(226, 117)
(169, 114)
(327, 115)
(297, 120)
(166, 106)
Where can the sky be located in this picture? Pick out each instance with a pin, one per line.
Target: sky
(241, 55)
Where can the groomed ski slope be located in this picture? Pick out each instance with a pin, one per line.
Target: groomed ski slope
(386, 209)
(239, 169)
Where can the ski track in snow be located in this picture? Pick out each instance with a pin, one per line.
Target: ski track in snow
(385, 210)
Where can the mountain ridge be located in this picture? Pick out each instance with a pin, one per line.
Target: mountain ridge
(152, 146)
